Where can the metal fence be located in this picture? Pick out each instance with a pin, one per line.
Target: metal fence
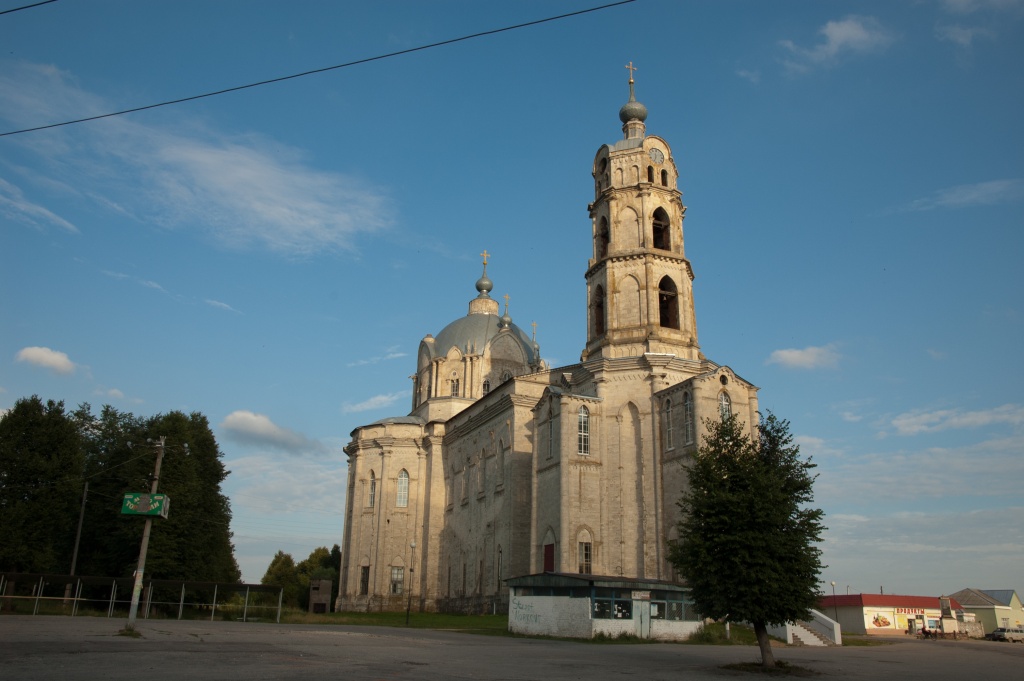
(44, 594)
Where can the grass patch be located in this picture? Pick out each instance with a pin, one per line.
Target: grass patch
(714, 635)
(780, 669)
(864, 641)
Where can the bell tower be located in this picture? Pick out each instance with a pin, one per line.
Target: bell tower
(639, 282)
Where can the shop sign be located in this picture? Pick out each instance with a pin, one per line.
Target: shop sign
(910, 611)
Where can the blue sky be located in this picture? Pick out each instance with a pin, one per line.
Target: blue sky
(853, 171)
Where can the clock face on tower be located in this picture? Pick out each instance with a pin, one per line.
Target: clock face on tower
(656, 155)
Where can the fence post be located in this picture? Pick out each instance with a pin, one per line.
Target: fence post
(280, 597)
(213, 610)
(113, 596)
(78, 596)
(39, 593)
(245, 608)
(181, 603)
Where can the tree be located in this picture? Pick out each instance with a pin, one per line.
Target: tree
(41, 483)
(747, 540)
(283, 573)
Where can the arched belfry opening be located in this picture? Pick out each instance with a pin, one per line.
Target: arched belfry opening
(661, 230)
(668, 303)
(597, 311)
(603, 237)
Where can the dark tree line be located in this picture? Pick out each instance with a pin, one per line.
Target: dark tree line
(46, 456)
(294, 577)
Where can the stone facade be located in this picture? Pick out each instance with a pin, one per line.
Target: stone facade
(506, 467)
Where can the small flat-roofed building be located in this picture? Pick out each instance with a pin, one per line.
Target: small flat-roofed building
(992, 607)
(585, 606)
(889, 614)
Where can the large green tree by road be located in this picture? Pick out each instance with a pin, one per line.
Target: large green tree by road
(46, 456)
(747, 540)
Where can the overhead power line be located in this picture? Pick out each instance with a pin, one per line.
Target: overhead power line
(315, 71)
(34, 4)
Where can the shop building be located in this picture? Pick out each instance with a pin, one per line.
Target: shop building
(891, 614)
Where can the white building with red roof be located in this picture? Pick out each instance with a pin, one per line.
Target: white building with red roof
(890, 614)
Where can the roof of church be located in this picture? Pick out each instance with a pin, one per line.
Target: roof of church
(473, 332)
(412, 420)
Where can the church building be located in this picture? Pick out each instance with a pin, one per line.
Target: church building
(506, 467)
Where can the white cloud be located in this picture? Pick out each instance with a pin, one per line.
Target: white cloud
(113, 393)
(962, 36)
(244, 191)
(752, 76)
(257, 429)
(978, 194)
(54, 360)
(221, 306)
(16, 207)
(375, 402)
(822, 357)
(916, 422)
(970, 6)
(816, 447)
(852, 34)
(390, 353)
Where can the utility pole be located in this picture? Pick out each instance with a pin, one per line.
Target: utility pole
(137, 589)
(78, 536)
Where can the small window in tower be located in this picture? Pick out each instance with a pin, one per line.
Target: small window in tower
(660, 229)
(601, 251)
(373, 490)
(455, 387)
(487, 387)
(650, 174)
(668, 304)
(688, 423)
(664, 178)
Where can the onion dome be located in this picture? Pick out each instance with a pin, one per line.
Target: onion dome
(632, 110)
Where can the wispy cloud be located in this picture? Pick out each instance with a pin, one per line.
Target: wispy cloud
(746, 74)
(916, 422)
(221, 306)
(14, 206)
(390, 353)
(375, 402)
(244, 191)
(962, 35)
(970, 6)
(850, 35)
(965, 195)
(54, 360)
(812, 357)
(251, 428)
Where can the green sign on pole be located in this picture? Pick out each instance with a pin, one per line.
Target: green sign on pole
(144, 503)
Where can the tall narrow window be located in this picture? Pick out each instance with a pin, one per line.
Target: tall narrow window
(668, 424)
(668, 303)
(597, 311)
(487, 387)
(660, 228)
(364, 580)
(664, 178)
(688, 423)
(455, 387)
(373, 490)
(499, 567)
(724, 405)
(650, 173)
(397, 580)
(583, 432)
(402, 497)
(602, 239)
(586, 563)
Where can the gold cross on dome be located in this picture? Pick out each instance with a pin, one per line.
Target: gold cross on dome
(631, 70)
(485, 254)
(506, 302)
(534, 325)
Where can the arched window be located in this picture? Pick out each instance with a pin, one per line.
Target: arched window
(597, 311)
(583, 432)
(373, 490)
(585, 552)
(660, 226)
(668, 424)
(668, 303)
(487, 387)
(724, 405)
(650, 173)
(402, 497)
(455, 387)
(688, 424)
(506, 375)
(664, 178)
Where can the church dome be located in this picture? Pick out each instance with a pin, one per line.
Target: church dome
(632, 110)
(472, 333)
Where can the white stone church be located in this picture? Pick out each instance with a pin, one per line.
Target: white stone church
(507, 467)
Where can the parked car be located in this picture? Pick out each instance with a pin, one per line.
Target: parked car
(1011, 634)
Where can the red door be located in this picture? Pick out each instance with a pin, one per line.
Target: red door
(549, 558)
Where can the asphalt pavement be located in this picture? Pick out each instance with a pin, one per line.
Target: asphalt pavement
(37, 648)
